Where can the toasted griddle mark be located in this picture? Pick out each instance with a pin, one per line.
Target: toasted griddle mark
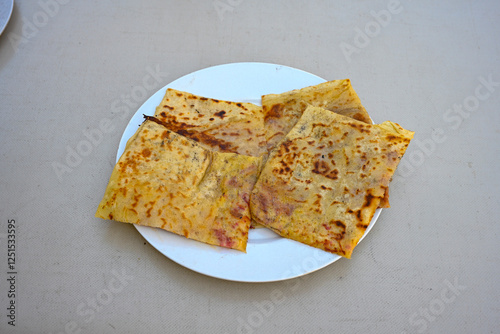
(360, 127)
(337, 229)
(362, 226)
(136, 199)
(318, 200)
(321, 125)
(360, 117)
(148, 212)
(221, 114)
(283, 171)
(286, 145)
(340, 224)
(276, 111)
(359, 215)
(186, 130)
(368, 200)
(322, 168)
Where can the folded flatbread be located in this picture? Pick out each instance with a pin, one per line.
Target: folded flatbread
(167, 181)
(282, 111)
(224, 126)
(323, 182)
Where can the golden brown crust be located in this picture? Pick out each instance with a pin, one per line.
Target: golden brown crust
(323, 182)
(224, 126)
(282, 111)
(167, 181)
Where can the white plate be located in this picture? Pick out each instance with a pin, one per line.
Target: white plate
(6, 7)
(269, 257)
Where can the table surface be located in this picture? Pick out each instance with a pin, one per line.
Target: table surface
(431, 264)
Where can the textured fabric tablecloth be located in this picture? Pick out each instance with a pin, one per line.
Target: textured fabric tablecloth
(431, 264)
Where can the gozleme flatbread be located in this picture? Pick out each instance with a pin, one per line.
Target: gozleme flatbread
(223, 126)
(167, 181)
(219, 125)
(282, 111)
(323, 182)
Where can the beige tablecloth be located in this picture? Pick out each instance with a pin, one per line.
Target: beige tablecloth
(72, 74)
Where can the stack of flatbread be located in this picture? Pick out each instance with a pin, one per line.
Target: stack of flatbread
(309, 165)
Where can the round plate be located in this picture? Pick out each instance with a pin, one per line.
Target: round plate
(6, 7)
(269, 257)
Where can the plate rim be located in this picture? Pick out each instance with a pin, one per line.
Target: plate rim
(2, 29)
